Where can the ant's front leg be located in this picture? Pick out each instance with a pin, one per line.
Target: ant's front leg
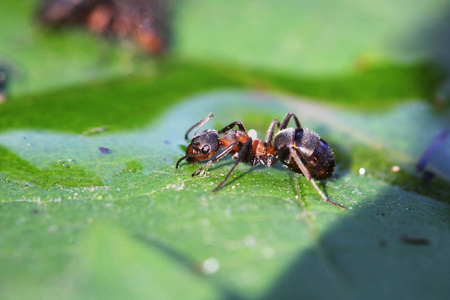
(237, 123)
(236, 162)
(286, 119)
(218, 157)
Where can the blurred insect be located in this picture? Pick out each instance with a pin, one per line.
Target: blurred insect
(3, 83)
(145, 21)
(300, 149)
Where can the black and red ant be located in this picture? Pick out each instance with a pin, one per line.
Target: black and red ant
(300, 149)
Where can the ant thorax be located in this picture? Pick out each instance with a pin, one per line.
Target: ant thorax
(255, 154)
(233, 136)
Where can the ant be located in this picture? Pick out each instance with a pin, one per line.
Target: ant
(300, 149)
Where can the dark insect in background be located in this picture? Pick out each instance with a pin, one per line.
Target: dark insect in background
(3, 83)
(300, 149)
(146, 22)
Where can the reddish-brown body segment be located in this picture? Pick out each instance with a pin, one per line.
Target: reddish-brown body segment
(259, 150)
(231, 137)
(262, 150)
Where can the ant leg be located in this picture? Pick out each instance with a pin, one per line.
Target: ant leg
(270, 131)
(198, 125)
(217, 158)
(286, 119)
(236, 162)
(237, 123)
(305, 172)
(300, 164)
(248, 157)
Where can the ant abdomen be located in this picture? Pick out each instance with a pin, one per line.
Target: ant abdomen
(315, 153)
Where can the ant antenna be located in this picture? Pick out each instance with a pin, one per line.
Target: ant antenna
(198, 125)
(186, 157)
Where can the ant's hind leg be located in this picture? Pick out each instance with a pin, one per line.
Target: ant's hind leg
(305, 172)
(286, 119)
(236, 162)
(325, 197)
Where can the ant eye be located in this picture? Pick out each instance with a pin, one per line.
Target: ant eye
(205, 149)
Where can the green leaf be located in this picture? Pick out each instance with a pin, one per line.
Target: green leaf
(260, 226)
(109, 264)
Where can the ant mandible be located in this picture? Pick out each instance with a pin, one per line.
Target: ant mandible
(300, 149)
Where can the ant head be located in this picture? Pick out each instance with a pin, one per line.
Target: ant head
(202, 146)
